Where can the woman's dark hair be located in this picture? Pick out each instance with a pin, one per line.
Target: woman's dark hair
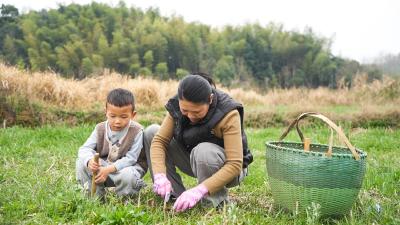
(121, 97)
(196, 88)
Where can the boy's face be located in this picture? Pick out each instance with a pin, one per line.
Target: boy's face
(119, 117)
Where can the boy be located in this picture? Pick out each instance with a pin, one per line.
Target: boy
(119, 141)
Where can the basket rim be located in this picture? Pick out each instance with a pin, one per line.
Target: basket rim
(362, 153)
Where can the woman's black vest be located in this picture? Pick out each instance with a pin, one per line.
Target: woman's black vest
(189, 136)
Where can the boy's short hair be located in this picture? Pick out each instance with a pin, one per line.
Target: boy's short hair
(121, 97)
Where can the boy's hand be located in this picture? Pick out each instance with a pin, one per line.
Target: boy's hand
(103, 172)
(93, 166)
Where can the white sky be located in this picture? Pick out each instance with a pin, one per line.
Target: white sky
(361, 29)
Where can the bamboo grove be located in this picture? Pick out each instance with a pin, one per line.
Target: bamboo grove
(76, 41)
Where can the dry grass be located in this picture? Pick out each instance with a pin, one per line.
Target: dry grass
(52, 91)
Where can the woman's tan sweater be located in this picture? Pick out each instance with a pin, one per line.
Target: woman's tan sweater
(229, 129)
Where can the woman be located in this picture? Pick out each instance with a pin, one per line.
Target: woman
(203, 136)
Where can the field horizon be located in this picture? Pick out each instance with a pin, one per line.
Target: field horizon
(36, 99)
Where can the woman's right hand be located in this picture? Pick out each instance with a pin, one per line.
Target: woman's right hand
(93, 166)
(161, 186)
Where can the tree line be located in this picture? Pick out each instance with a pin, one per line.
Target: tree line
(80, 40)
(389, 64)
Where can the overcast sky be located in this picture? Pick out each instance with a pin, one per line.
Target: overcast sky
(360, 29)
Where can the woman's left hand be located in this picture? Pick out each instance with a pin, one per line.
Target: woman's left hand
(190, 198)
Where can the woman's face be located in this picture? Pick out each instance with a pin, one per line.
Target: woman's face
(194, 111)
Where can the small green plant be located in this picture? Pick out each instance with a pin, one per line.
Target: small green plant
(123, 215)
(313, 213)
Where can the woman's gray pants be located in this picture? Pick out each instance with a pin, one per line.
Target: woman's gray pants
(202, 162)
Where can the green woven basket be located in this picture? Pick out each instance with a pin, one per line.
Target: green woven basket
(325, 175)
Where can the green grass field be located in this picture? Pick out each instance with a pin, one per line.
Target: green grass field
(37, 184)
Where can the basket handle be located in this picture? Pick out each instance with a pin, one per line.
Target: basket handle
(332, 126)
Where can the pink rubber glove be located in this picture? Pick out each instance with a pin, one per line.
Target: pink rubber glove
(161, 185)
(189, 198)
